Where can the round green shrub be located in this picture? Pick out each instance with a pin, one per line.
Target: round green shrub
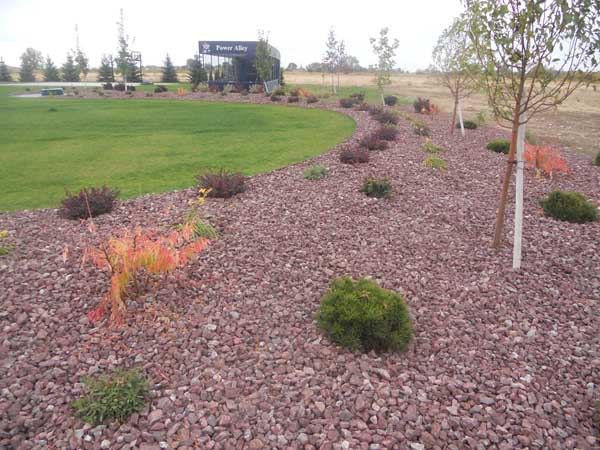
(390, 100)
(468, 124)
(597, 160)
(569, 206)
(362, 316)
(499, 146)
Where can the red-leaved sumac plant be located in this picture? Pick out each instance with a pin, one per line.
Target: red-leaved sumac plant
(545, 160)
(131, 258)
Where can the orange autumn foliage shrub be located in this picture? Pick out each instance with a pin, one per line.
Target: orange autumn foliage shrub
(545, 160)
(131, 257)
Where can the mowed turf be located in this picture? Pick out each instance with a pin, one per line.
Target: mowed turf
(49, 145)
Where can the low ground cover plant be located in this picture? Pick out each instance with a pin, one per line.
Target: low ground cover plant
(316, 172)
(421, 128)
(430, 147)
(312, 99)
(570, 207)
(387, 132)
(377, 187)
(293, 99)
(275, 98)
(468, 124)
(5, 247)
(222, 183)
(372, 142)
(354, 155)
(257, 89)
(279, 91)
(597, 160)
(363, 107)
(160, 88)
(386, 117)
(435, 163)
(112, 398)
(358, 97)
(499, 146)
(88, 202)
(362, 316)
(390, 100)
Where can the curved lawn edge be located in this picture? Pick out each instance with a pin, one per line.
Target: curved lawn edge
(257, 161)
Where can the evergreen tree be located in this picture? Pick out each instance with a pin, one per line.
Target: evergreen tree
(82, 63)
(70, 70)
(134, 75)
(30, 61)
(105, 72)
(196, 72)
(51, 72)
(4, 72)
(169, 74)
(264, 68)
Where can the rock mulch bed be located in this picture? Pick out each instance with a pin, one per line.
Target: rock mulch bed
(500, 359)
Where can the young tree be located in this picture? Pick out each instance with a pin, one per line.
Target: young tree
(264, 65)
(31, 61)
(4, 72)
(106, 72)
(385, 52)
(80, 57)
(134, 75)
(196, 72)
(454, 64)
(123, 59)
(331, 58)
(169, 74)
(70, 70)
(51, 72)
(516, 42)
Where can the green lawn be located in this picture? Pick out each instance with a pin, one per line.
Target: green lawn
(142, 146)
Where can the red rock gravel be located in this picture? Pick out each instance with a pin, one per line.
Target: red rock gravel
(500, 359)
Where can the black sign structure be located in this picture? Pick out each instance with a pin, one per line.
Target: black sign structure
(234, 62)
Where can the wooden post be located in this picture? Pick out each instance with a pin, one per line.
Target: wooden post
(518, 235)
(460, 118)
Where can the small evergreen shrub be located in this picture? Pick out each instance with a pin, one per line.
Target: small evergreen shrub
(387, 133)
(570, 207)
(386, 117)
(107, 86)
(372, 142)
(315, 172)
(499, 146)
(88, 202)
(279, 91)
(375, 110)
(222, 183)
(435, 163)
(160, 88)
(121, 87)
(354, 155)
(293, 99)
(112, 398)
(362, 316)
(597, 160)
(377, 187)
(468, 124)
(430, 147)
(312, 99)
(275, 98)
(346, 102)
(390, 100)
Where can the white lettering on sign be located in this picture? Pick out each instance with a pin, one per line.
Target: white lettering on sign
(232, 48)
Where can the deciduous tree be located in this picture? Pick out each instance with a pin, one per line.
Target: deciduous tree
(454, 64)
(4, 72)
(535, 54)
(385, 52)
(31, 61)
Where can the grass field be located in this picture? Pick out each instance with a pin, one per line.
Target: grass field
(142, 146)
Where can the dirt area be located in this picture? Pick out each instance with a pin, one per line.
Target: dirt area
(575, 124)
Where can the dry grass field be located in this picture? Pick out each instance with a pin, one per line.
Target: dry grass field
(575, 124)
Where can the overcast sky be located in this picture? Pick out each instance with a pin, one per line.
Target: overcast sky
(298, 29)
